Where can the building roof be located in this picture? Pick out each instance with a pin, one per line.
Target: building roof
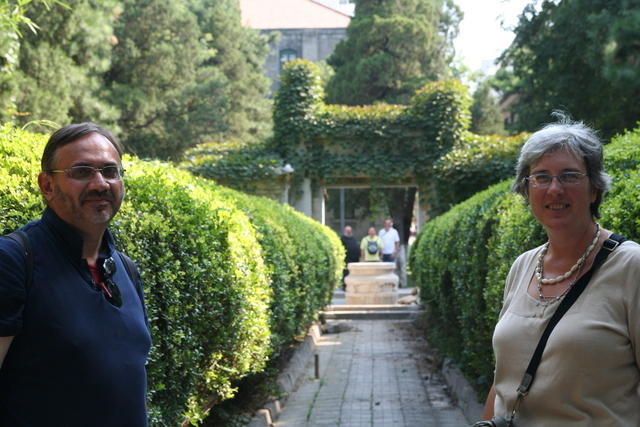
(283, 14)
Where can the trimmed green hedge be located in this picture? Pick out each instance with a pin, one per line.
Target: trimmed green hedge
(460, 259)
(232, 163)
(229, 279)
(476, 162)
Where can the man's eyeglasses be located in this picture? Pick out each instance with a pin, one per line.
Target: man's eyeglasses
(111, 292)
(544, 180)
(86, 173)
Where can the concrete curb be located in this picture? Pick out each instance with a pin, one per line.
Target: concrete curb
(289, 379)
(460, 388)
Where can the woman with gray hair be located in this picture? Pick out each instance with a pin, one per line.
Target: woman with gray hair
(571, 312)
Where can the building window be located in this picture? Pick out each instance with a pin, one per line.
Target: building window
(287, 55)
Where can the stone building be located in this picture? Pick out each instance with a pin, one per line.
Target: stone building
(308, 30)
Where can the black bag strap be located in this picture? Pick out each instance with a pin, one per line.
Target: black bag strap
(21, 238)
(607, 247)
(134, 275)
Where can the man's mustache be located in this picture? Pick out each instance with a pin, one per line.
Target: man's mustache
(95, 194)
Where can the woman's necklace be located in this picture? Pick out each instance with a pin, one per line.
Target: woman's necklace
(546, 300)
(577, 265)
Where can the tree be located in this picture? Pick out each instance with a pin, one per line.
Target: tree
(485, 112)
(392, 49)
(239, 54)
(185, 72)
(13, 20)
(57, 74)
(580, 56)
(161, 79)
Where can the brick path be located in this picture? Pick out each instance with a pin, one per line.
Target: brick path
(372, 373)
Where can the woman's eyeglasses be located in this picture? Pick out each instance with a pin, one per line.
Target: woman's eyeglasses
(544, 180)
(111, 292)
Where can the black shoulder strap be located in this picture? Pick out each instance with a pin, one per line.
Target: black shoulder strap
(22, 239)
(607, 247)
(134, 275)
(131, 268)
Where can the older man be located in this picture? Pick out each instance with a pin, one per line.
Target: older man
(390, 240)
(73, 333)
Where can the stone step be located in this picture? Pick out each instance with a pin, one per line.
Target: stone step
(372, 312)
(340, 293)
(369, 307)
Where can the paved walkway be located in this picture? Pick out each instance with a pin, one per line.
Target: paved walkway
(372, 373)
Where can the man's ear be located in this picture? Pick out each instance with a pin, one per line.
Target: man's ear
(45, 182)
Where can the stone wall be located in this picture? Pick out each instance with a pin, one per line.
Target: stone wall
(314, 44)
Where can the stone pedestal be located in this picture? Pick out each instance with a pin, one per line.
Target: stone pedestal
(371, 283)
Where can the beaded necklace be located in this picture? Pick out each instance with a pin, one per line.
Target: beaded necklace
(546, 300)
(577, 265)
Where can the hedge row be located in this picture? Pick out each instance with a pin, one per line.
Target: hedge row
(475, 162)
(461, 258)
(232, 163)
(229, 279)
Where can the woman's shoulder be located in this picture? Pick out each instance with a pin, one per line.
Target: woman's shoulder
(528, 256)
(524, 264)
(628, 250)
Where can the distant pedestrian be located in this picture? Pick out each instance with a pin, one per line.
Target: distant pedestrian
(351, 247)
(371, 246)
(390, 241)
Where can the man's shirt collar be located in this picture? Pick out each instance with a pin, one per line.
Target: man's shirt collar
(71, 239)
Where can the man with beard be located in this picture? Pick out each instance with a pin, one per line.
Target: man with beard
(74, 338)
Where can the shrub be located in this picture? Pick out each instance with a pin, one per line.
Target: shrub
(233, 164)
(476, 162)
(229, 279)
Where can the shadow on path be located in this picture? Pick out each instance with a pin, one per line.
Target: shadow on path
(372, 373)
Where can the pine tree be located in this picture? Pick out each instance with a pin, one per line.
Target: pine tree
(58, 74)
(239, 54)
(161, 80)
(392, 48)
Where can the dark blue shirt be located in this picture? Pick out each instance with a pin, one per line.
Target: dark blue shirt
(76, 359)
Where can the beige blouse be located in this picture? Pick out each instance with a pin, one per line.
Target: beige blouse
(590, 369)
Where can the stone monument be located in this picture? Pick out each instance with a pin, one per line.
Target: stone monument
(371, 283)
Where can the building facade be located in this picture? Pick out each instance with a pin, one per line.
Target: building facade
(307, 29)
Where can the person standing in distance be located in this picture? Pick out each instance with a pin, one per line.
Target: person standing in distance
(390, 241)
(351, 248)
(74, 341)
(371, 247)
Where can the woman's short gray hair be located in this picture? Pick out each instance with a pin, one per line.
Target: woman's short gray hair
(575, 137)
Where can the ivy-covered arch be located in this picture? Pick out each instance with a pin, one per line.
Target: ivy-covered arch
(375, 145)
(382, 143)
(425, 145)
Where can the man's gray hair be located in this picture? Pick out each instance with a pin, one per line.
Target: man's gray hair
(69, 134)
(575, 137)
